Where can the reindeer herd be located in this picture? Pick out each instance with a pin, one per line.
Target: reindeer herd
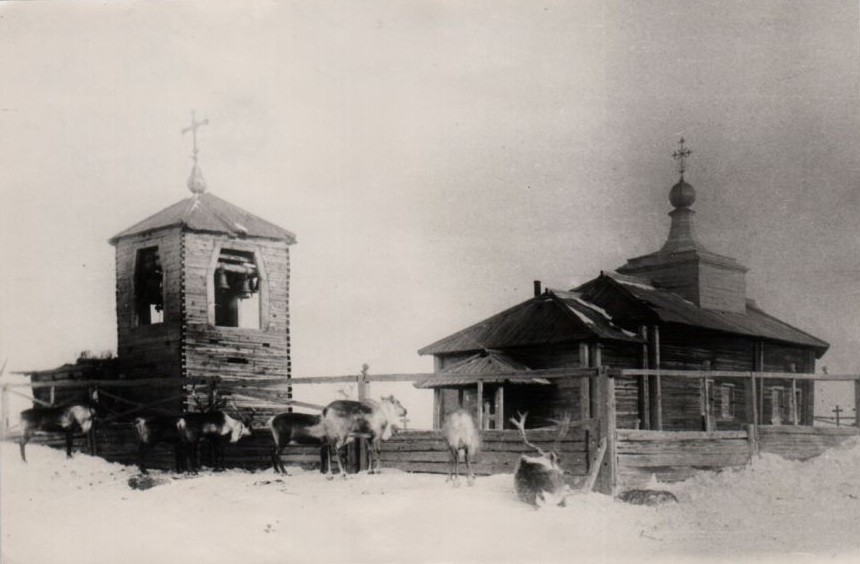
(538, 478)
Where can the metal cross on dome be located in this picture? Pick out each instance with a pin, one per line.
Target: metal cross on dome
(680, 155)
(195, 125)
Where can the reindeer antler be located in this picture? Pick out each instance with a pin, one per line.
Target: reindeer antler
(520, 423)
(563, 427)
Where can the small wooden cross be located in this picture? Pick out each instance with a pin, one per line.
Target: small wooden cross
(680, 155)
(838, 411)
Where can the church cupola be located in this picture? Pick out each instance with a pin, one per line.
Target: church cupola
(683, 265)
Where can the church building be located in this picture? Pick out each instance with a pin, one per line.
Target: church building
(682, 307)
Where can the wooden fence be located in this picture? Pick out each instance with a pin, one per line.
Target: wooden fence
(613, 458)
(426, 451)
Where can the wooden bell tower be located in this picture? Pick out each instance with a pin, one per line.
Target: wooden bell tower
(203, 290)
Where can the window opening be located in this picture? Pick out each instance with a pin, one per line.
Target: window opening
(148, 287)
(237, 290)
(727, 392)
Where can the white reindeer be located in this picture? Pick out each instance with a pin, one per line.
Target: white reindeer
(461, 433)
(346, 420)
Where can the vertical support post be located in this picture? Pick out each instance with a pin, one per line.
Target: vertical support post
(585, 390)
(856, 403)
(437, 408)
(752, 434)
(500, 406)
(52, 395)
(4, 407)
(657, 409)
(361, 444)
(608, 473)
(361, 382)
(480, 406)
(793, 401)
(706, 405)
(91, 434)
(645, 389)
(755, 415)
(759, 367)
(595, 397)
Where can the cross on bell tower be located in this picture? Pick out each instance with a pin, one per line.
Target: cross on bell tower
(196, 183)
(681, 155)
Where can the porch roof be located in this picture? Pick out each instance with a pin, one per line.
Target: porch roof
(484, 367)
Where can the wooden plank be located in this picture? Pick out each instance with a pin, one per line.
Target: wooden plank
(734, 374)
(698, 459)
(639, 435)
(768, 430)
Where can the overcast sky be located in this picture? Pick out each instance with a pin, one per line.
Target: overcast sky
(433, 158)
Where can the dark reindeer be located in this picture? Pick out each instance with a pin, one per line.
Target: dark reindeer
(215, 426)
(346, 420)
(539, 479)
(158, 429)
(461, 433)
(66, 420)
(296, 429)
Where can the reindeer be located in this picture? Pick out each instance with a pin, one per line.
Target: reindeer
(212, 425)
(461, 433)
(538, 479)
(158, 429)
(296, 429)
(75, 417)
(346, 420)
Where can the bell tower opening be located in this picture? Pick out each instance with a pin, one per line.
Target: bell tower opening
(237, 290)
(148, 287)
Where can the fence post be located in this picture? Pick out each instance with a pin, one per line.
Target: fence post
(857, 403)
(608, 476)
(4, 406)
(361, 452)
(752, 434)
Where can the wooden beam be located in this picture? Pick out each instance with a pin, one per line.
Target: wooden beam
(437, 408)
(706, 405)
(695, 374)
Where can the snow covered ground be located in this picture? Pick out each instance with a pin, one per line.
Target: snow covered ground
(83, 510)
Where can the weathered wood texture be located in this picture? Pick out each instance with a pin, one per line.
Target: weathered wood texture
(801, 443)
(426, 451)
(149, 349)
(673, 456)
(232, 352)
(118, 443)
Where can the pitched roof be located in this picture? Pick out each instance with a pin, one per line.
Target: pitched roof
(671, 308)
(207, 213)
(552, 317)
(480, 367)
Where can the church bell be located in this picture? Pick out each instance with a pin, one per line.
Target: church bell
(221, 280)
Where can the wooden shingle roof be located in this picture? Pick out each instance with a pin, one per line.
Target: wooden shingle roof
(210, 214)
(554, 316)
(671, 308)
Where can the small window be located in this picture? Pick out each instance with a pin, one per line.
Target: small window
(237, 290)
(727, 401)
(148, 287)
